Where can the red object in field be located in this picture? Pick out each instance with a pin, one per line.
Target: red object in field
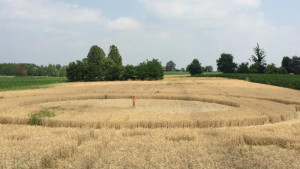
(133, 99)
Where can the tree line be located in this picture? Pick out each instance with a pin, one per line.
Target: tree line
(99, 67)
(171, 66)
(226, 64)
(24, 69)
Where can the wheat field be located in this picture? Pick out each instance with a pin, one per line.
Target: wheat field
(179, 122)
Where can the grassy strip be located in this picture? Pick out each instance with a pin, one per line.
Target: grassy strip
(36, 118)
(20, 83)
(176, 73)
(188, 73)
(288, 81)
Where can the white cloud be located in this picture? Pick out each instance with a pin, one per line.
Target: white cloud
(254, 3)
(214, 14)
(123, 23)
(216, 26)
(58, 17)
(46, 11)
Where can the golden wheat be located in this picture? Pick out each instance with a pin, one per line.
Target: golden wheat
(178, 123)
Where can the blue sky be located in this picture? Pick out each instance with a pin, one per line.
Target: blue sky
(61, 31)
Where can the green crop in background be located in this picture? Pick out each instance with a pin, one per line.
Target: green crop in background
(282, 80)
(19, 83)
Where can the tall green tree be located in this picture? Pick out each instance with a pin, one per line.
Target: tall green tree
(155, 70)
(259, 58)
(286, 63)
(95, 59)
(95, 55)
(195, 67)
(115, 55)
(116, 69)
(170, 66)
(225, 63)
(295, 64)
(142, 72)
(112, 71)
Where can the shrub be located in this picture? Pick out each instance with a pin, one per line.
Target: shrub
(35, 118)
(243, 68)
(271, 69)
(254, 68)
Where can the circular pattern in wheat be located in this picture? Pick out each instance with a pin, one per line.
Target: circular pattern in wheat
(172, 103)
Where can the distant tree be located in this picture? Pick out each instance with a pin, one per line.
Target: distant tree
(254, 68)
(259, 58)
(55, 73)
(129, 72)
(21, 71)
(195, 67)
(30, 69)
(150, 70)
(286, 63)
(208, 69)
(116, 69)
(112, 71)
(171, 66)
(58, 66)
(271, 69)
(243, 68)
(282, 70)
(295, 65)
(225, 63)
(182, 69)
(95, 58)
(95, 55)
(115, 55)
(51, 70)
(71, 72)
(62, 72)
(142, 71)
(97, 67)
(155, 70)
(8, 69)
(77, 71)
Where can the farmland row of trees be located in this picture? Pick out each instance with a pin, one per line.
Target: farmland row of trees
(259, 65)
(226, 64)
(99, 67)
(171, 66)
(13, 69)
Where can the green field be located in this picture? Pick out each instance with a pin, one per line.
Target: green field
(20, 83)
(176, 73)
(283, 80)
(187, 73)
